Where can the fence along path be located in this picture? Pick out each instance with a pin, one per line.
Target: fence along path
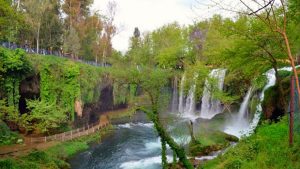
(69, 135)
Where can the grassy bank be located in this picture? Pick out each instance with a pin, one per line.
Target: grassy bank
(267, 148)
(123, 113)
(54, 157)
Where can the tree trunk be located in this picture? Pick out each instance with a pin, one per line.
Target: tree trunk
(292, 61)
(174, 158)
(168, 139)
(164, 161)
(38, 39)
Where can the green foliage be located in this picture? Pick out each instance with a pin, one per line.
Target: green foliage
(34, 160)
(169, 51)
(72, 42)
(10, 21)
(53, 158)
(8, 113)
(45, 116)
(267, 148)
(61, 83)
(64, 81)
(6, 136)
(90, 80)
(15, 67)
(120, 93)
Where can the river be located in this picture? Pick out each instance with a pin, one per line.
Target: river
(130, 146)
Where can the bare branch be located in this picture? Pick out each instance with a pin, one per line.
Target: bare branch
(263, 7)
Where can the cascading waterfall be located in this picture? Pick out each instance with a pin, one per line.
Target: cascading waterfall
(239, 122)
(270, 74)
(187, 104)
(210, 107)
(175, 96)
(189, 109)
(181, 95)
(244, 106)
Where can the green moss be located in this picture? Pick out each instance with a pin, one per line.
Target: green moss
(210, 141)
(118, 115)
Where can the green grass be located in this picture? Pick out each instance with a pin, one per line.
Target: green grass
(54, 157)
(268, 148)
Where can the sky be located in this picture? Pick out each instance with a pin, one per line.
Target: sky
(149, 15)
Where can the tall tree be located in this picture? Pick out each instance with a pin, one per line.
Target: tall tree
(274, 14)
(169, 51)
(52, 27)
(90, 35)
(10, 22)
(72, 43)
(34, 12)
(109, 30)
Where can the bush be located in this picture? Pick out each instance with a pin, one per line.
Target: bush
(6, 136)
(8, 164)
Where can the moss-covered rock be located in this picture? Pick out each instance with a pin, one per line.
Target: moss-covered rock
(213, 141)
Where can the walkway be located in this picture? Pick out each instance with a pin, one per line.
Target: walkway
(42, 143)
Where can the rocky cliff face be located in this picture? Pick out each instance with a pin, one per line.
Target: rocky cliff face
(92, 111)
(272, 108)
(29, 89)
(86, 112)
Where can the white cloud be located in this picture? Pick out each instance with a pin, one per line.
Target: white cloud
(148, 15)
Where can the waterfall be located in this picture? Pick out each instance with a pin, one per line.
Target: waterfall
(244, 106)
(189, 108)
(187, 104)
(210, 107)
(239, 122)
(270, 74)
(174, 107)
(181, 95)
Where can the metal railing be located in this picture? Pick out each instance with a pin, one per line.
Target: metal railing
(69, 135)
(57, 53)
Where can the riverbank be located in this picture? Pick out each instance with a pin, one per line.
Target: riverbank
(268, 147)
(55, 156)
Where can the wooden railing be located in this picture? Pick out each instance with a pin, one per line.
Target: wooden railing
(86, 130)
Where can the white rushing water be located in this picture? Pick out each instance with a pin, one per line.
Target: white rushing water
(181, 94)
(248, 130)
(211, 107)
(239, 122)
(174, 106)
(270, 74)
(190, 104)
(187, 104)
(144, 163)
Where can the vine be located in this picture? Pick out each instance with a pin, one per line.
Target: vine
(14, 68)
